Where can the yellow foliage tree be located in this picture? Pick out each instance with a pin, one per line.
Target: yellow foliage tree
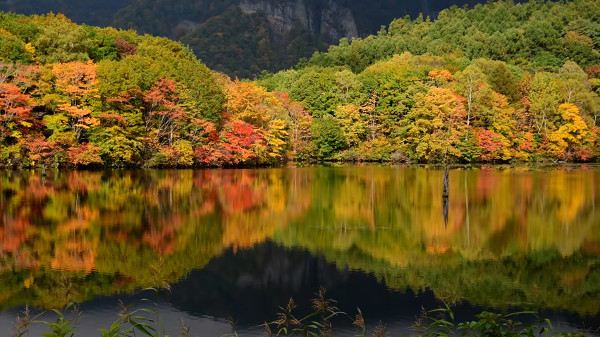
(277, 136)
(436, 125)
(250, 102)
(352, 124)
(572, 134)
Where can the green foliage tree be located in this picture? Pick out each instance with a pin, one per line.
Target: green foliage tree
(13, 49)
(471, 84)
(544, 94)
(316, 88)
(61, 40)
(328, 137)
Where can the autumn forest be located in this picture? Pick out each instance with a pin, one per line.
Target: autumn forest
(501, 82)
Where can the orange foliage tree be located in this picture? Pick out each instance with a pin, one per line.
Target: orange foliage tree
(76, 82)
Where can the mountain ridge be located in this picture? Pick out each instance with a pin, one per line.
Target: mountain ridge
(263, 34)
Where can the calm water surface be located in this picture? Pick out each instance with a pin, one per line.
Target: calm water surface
(239, 243)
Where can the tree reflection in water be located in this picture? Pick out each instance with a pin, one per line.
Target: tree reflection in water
(508, 237)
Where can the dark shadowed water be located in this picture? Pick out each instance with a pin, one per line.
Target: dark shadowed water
(235, 245)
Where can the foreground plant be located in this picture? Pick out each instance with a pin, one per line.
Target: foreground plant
(441, 322)
(61, 327)
(133, 321)
(145, 320)
(23, 321)
(317, 323)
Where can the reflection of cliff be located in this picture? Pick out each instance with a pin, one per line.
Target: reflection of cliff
(251, 284)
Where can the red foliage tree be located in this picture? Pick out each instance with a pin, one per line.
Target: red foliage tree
(41, 151)
(84, 155)
(125, 48)
(493, 145)
(15, 111)
(162, 112)
(237, 143)
(593, 71)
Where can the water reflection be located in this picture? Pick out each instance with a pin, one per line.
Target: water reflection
(509, 237)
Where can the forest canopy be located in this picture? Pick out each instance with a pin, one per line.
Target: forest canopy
(497, 83)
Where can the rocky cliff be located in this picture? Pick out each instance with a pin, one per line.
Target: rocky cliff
(329, 21)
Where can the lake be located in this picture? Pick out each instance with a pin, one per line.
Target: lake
(235, 245)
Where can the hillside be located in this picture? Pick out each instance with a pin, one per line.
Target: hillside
(242, 37)
(531, 35)
(522, 84)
